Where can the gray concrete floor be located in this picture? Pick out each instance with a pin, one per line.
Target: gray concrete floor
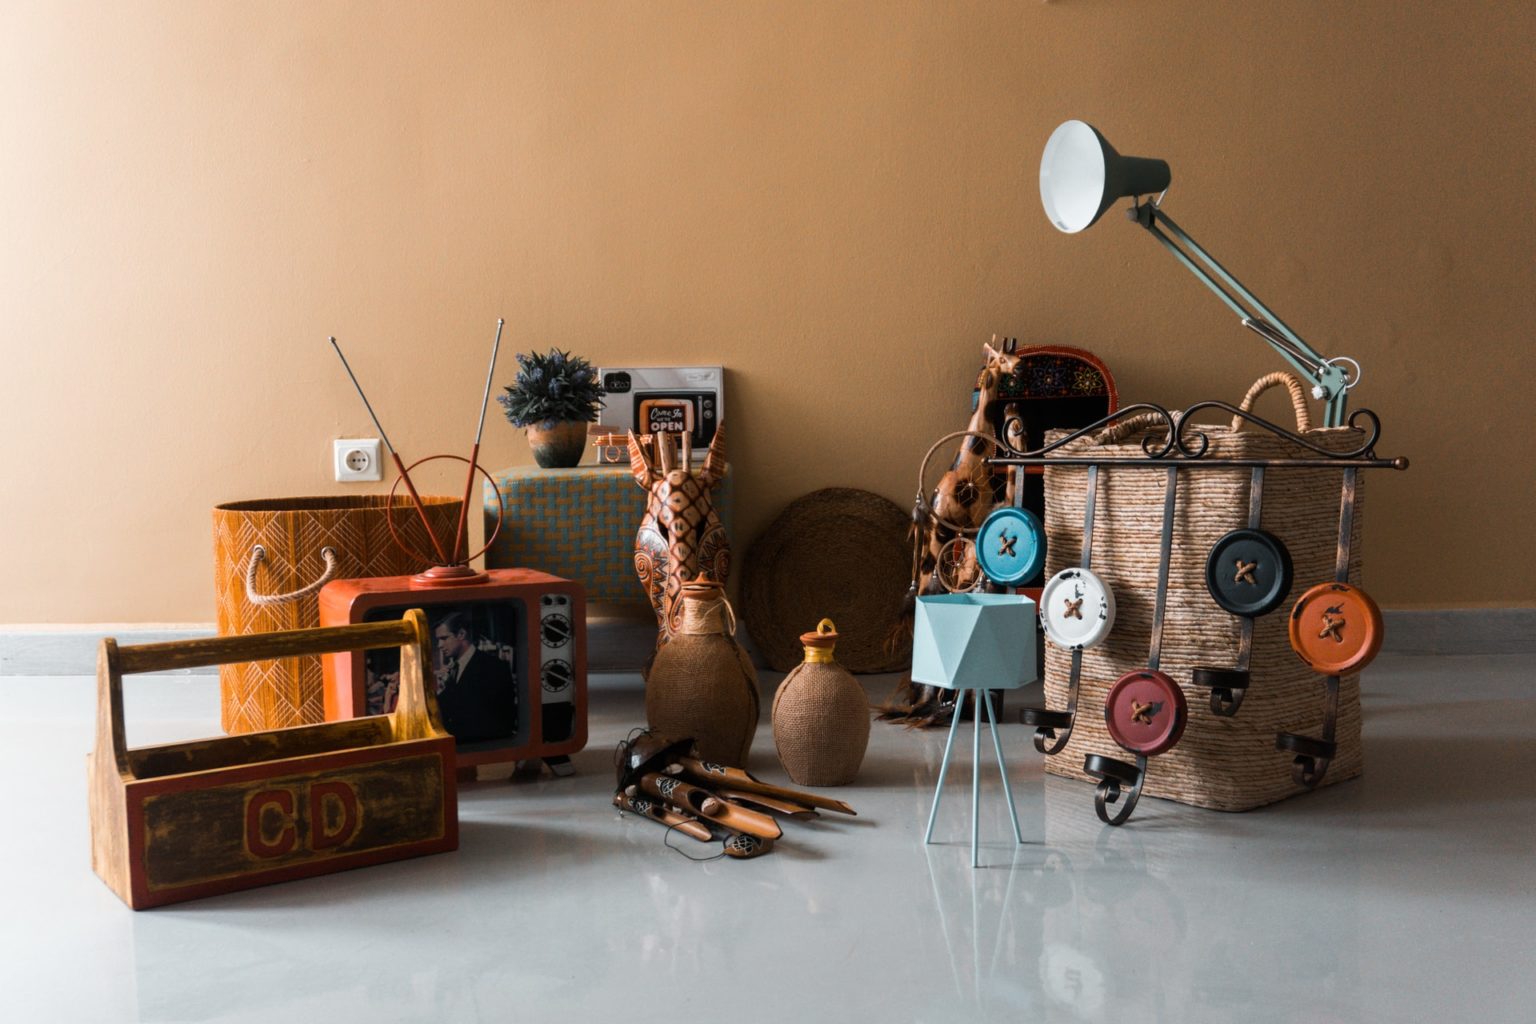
(1406, 895)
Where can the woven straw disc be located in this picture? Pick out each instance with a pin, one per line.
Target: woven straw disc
(837, 553)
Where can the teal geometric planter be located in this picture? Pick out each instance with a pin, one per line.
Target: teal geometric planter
(974, 641)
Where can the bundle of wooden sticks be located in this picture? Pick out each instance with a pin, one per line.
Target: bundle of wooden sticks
(663, 779)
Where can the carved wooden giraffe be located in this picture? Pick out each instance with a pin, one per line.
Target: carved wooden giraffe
(680, 536)
(962, 497)
(964, 494)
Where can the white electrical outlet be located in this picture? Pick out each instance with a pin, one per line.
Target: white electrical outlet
(357, 459)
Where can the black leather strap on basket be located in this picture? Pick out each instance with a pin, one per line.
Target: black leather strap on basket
(1313, 755)
(1053, 729)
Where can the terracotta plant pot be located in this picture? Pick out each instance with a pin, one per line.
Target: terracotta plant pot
(558, 445)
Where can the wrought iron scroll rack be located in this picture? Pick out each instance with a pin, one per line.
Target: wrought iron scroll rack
(1175, 443)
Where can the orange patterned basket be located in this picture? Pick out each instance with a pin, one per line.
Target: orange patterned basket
(270, 559)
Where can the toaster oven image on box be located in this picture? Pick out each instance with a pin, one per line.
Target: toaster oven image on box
(653, 399)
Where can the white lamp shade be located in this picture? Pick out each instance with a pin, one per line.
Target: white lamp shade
(1081, 175)
(1072, 177)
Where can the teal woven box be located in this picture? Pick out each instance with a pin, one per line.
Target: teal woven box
(577, 523)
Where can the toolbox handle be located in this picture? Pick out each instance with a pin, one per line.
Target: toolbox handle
(415, 715)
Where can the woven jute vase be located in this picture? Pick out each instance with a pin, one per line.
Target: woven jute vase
(820, 716)
(1228, 764)
(702, 684)
(276, 587)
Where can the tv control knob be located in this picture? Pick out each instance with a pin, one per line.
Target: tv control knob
(555, 630)
(556, 676)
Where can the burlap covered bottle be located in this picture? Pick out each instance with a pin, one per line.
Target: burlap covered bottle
(820, 716)
(701, 683)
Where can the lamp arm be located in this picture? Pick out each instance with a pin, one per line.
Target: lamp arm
(1330, 381)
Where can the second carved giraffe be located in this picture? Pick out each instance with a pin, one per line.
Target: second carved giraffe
(680, 536)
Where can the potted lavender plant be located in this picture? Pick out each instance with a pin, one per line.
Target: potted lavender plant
(554, 397)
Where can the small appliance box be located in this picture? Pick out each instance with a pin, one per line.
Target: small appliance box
(652, 399)
(509, 661)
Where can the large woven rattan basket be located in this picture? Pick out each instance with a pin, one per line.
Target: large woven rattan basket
(293, 535)
(838, 553)
(1228, 764)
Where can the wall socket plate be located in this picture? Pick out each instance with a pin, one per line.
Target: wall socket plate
(358, 459)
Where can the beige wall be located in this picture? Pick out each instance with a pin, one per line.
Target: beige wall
(836, 200)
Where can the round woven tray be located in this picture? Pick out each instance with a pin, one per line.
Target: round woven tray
(837, 553)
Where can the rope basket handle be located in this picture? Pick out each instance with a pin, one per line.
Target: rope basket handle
(1298, 399)
(258, 553)
(1120, 431)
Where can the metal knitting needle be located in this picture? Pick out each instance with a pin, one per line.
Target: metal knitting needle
(459, 540)
(399, 465)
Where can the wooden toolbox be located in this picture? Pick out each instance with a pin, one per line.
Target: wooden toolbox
(185, 820)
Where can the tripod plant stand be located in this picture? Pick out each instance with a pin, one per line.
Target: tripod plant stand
(974, 641)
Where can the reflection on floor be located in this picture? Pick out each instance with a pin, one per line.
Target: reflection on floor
(1405, 895)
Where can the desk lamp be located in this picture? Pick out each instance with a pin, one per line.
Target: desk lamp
(1081, 175)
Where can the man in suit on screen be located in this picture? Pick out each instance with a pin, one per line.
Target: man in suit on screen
(478, 695)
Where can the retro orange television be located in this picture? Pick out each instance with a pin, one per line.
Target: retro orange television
(509, 661)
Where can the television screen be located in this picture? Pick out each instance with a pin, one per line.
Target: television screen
(475, 664)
